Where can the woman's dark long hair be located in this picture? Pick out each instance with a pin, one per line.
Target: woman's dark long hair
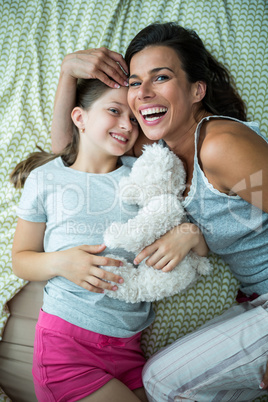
(221, 96)
(87, 92)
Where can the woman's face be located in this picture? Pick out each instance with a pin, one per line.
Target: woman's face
(159, 93)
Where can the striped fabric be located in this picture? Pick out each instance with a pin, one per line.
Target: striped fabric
(222, 361)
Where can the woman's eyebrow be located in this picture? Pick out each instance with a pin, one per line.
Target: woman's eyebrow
(154, 70)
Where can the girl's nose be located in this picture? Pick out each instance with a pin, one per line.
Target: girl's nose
(126, 124)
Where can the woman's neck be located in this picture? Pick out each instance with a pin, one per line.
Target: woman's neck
(184, 147)
(183, 144)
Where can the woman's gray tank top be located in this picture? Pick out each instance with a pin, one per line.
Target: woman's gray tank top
(233, 228)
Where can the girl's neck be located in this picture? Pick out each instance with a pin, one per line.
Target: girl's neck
(95, 164)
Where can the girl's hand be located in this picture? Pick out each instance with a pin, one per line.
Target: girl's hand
(101, 63)
(168, 251)
(80, 265)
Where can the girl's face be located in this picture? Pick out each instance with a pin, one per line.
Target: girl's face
(109, 126)
(159, 94)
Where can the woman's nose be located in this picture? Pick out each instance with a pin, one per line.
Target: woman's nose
(145, 91)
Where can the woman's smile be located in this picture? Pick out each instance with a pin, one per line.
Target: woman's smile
(152, 114)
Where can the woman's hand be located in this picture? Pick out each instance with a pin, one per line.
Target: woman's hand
(168, 251)
(102, 64)
(80, 265)
(264, 383)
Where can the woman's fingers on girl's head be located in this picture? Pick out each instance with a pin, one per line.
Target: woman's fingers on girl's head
(116, 69)
(114, 74)
(107, 80)
(118, 58)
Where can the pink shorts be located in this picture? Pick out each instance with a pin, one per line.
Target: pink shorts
(70, 362)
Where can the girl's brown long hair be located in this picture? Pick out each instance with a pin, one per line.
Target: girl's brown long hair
(87, 92)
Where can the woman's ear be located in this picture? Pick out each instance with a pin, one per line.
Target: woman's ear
(78, 118)
(200, 89)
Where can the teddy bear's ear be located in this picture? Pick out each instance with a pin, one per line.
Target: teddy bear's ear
(131, 193)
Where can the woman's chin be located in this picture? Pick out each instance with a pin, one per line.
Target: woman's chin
(154, 136)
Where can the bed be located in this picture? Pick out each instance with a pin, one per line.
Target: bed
(35, 35)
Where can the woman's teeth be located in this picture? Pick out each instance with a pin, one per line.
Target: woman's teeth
(152, 114)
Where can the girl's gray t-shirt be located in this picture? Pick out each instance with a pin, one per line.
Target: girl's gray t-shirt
(77, 207)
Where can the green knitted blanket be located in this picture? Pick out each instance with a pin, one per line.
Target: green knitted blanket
(35, 35)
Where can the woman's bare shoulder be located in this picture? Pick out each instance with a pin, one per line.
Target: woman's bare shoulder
(223, 137)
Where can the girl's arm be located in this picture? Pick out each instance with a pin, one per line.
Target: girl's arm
(79, 264)
(99, 63)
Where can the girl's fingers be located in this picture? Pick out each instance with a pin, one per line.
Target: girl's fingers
(106, 261)
(88, 286)
(100, 284)
(102, 277)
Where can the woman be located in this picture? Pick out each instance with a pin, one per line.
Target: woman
(180, 94)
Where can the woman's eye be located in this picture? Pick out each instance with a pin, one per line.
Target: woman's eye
(134, 84)
(161, 78)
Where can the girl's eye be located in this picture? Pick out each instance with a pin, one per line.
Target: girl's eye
(115, 111)
(134, 120)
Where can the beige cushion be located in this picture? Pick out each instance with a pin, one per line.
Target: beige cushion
(16, 348)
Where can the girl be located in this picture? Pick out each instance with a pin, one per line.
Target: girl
(86, 345)
(180, 94)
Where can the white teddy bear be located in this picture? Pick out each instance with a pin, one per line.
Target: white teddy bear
(156, 183)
